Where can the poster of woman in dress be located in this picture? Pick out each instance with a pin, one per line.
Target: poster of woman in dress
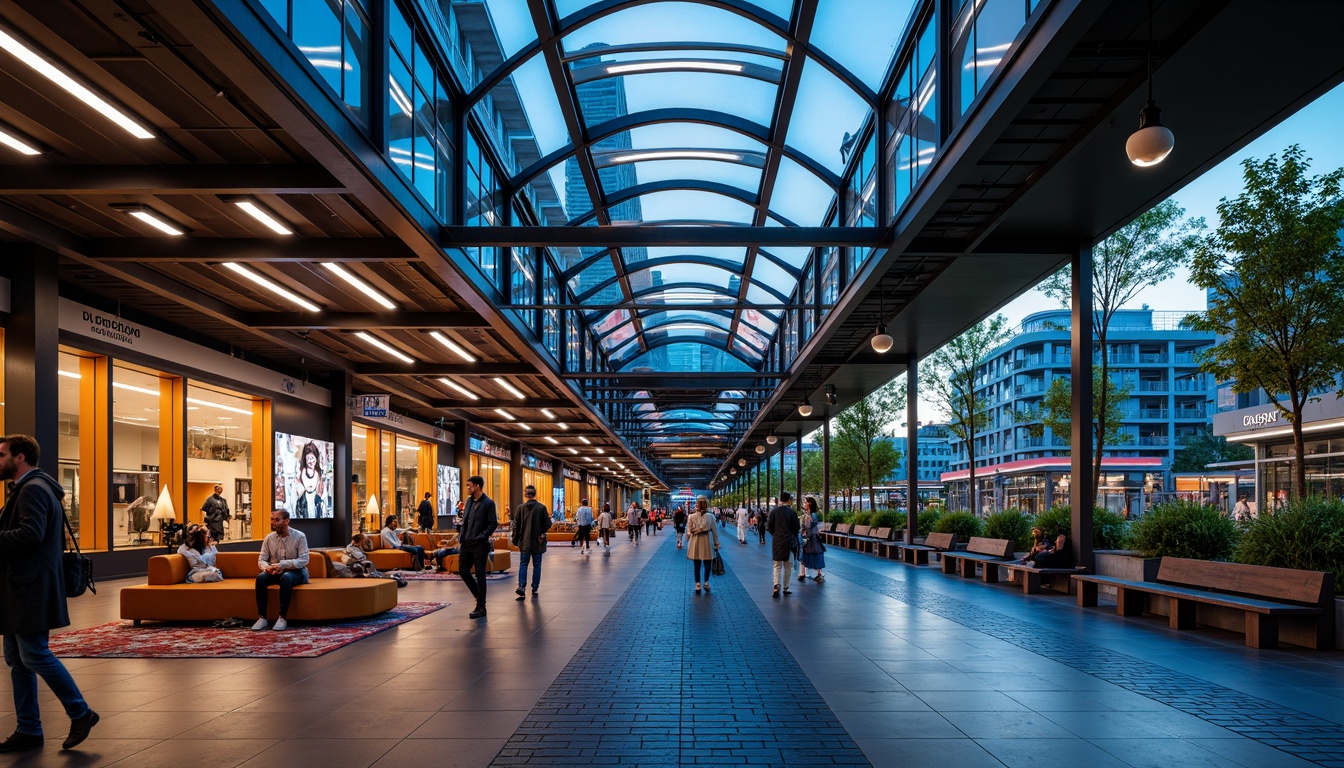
(304, 474)
(450, 490)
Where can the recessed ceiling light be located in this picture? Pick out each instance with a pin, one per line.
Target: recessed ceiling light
(51, 72)
(518, 393)
(153, 219)
(69, 374)
(599, 450)
(562, 425)
(453, 346)
(12, 140)
(378, 343)
(133, 388)
(547, 413)
(524, 426)
(660, 66)
(467, 393)
(358, 284)
(264, 216)
(505, 414)
(220, 406)
(552, 440)
(272, 287)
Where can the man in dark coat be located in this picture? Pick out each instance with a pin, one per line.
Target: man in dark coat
(424, 515)
(216, 512)
(32, 595)
(479, 521)
(528, 530)
(784, 527)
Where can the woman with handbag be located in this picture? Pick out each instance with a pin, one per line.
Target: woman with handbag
(701, 528)
(813, 550)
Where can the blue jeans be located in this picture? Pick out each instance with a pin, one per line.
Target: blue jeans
(532, 557)
(417, 555)
(286, 579)
(28, 656)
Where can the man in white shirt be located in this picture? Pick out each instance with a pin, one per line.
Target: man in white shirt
(284, 561)
(584, 517)
(742, 524)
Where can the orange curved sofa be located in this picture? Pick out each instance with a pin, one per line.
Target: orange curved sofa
(393, 559)
(168, 598)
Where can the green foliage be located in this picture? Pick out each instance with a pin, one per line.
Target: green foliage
(951, 379)
(926, 520)
(859, 442)
(1274, 270)
(839, 517)
(1308, 534)
(1109, 530)
(1056, 520)
(1012, 524)
(888, 519)
(1056, 411)
(1185, 529)
(1207, 448)
(862, 518)
(964, 524)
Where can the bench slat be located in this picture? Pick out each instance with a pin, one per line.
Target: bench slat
(1202, 596)
(1000, 548)
(1281, 584)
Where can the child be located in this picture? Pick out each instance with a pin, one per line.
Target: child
(359, 563)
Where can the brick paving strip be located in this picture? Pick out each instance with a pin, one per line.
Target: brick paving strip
(1297, 733)
(671, 678)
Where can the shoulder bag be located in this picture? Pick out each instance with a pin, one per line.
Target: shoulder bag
(78, 568)
(716, 567)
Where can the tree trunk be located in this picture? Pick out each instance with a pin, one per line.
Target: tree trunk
(1300, 452)
(970, 456)
(1099, 438)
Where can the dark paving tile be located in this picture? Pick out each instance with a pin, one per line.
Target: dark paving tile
(896, 753)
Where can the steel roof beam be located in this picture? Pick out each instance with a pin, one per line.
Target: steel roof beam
(123, 180)
(330, 321)
(446, 369)
(232, 249)
(649, 235)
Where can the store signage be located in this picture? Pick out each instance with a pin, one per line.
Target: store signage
(111, 328)
(1260, 419)
(375, 406)
(571, 474)
(536, 462)
(480, 444)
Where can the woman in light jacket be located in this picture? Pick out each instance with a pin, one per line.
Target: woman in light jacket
(200, 552)
(700, 527)
(813, 555)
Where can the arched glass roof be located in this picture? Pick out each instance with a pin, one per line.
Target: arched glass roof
(735, 113)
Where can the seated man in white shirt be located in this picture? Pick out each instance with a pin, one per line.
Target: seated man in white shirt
(392, 540)
(284, 561)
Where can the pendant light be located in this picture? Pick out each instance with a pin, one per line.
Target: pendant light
(881, 340)
(804, 409)
(1153, 141)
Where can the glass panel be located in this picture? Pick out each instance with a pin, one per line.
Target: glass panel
(406, 476)
(760, 320)
(683, 205)
(865, 47)
(746, 98)
(593, 275)
(523, 283)
(678, 134)
(219, 453)
(671, 274)
(758, 295)
(756, 340)
(743, 177)
(512, 23)
(139, 398)
(660, 319)
(361, 438)
(800, 196)
(356, 80)
(317, 33)
(673, 22)
(832, 110)
(279, 10)
(734, 257)
(769, 273)
(78, 447)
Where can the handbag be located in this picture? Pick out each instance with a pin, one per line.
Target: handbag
(78, 569)
(716, 567)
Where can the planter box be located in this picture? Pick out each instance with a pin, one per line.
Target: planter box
(1123, 564)
(1339, 623)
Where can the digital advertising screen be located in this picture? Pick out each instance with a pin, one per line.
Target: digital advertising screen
(450, 489)
(304, 476)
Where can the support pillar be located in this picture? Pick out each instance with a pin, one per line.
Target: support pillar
(515, 482)
(798, 471)
(912, 449)
(826, 468)
(1081, 494)
(342, 519)
(767, 482)
(32, 341)
(462, 457)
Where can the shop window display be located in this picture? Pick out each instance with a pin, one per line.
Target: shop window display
(143, 414)
(220, 452)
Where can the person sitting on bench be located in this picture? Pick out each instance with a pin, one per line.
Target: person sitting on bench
(1057, 556)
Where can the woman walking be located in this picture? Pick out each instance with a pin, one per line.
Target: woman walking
(701, 528)
(813, 550)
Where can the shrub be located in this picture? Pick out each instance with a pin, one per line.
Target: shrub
(838, 517)
(862, 518)
(1012, 524)
(1109, 530)
(888, 519)
(1055, 520)
(1308, 535)
(926, 520)
(1185, 529)
(964, 524)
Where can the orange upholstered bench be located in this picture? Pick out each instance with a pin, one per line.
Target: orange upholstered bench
(168, 598)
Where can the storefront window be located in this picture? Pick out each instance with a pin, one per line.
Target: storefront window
(145, 410)
(220, 452)
(495, 472)
(365, 473)
(82, 440)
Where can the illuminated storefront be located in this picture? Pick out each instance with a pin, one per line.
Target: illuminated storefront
(392, 470)
(490, 460)
(1265, 429)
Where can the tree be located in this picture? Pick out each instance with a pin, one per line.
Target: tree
(952, 377)
(1207, 448)
(1274, 270)
(1142, 253)
(1056, 411)
(861, 434)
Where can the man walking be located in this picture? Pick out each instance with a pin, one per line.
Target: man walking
(531, 521)
(31, 541)
(742, 524)
(679, 523)
(424, 515)
(761, 523)
(216, 513)
(784, 529)
(584, 517)
(479, 522)
(284, 561)
(632, 523)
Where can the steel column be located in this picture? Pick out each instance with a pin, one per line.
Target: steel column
(912, 449)
(825, 467)
(1081, 493)
(32, 355)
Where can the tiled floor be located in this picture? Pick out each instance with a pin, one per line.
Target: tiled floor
(617, 662)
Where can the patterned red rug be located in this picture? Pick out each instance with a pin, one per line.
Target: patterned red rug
(434, 576)
(123, 640)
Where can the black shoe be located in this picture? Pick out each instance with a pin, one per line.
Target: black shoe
(18, 742)
(788, 591)
(775, 593)
(520, 593)
(534, 593)
(479, 613)
(79, 730)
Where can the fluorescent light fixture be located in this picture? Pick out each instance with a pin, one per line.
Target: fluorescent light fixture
(264, 216)
(505, 414)
(358, 284)
(272, 287)
(69, 85)
(576, 453)
(377, 343)
(599, 450)
(220, 406)
(467, 393)
(12, 141)
(453, 347)
(154, 220)
(562, 425)
(516, 392)
(677, 154)
(524, 426)
(547, 413)
(585, 440)
(133, 388)
(552, 440)
(69, 374)
(661, 66)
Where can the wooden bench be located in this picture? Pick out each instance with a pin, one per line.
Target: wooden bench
(868, 543)
(1031, 575)
(837, 536)
(979, 550)
(857, 535)
(890, 547)
(1263, 595)
(918, 554)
